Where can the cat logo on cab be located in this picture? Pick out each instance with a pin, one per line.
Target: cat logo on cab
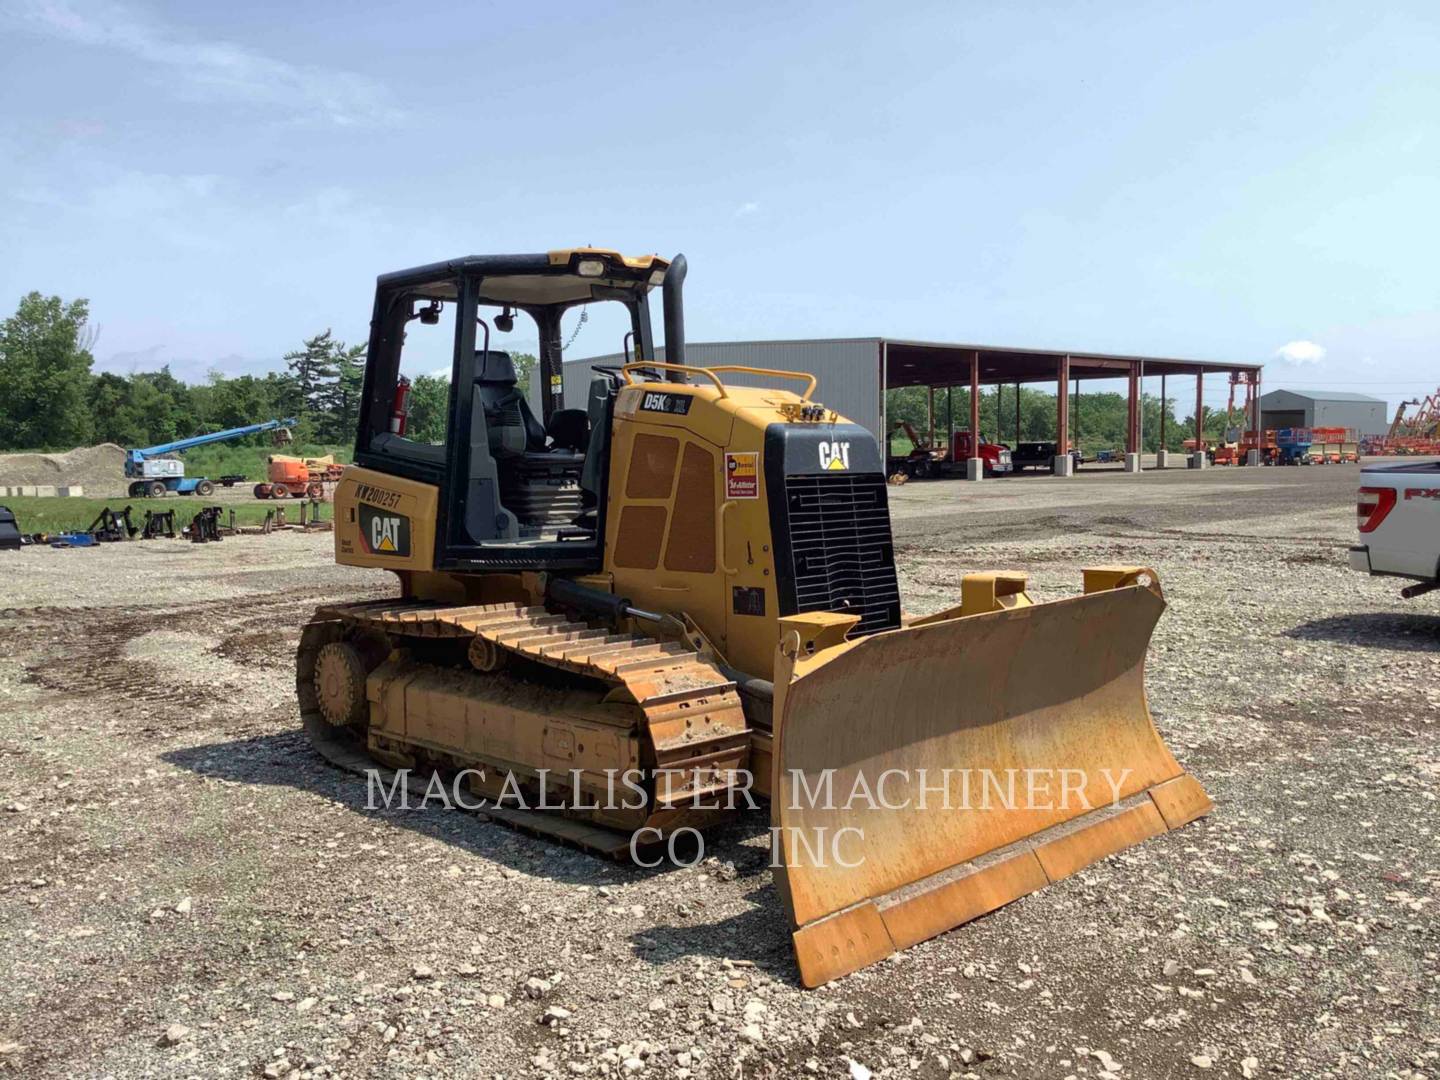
(382, 533)
(834, 455)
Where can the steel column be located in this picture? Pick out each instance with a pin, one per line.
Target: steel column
(1256, 388)
(974, 466)
(1075, 410)
(1132, 435)
(1062, 406)
(1200, 413)
(975, 403)
(883, 359)
(1163, 410)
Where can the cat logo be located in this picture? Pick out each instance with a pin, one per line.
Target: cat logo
(834, 455)
(384, 534)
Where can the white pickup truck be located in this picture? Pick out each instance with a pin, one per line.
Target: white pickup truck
(1398, 512)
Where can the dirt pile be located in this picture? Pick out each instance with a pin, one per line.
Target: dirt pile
(99, 469)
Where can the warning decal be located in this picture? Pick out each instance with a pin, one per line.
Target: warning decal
(742, 476)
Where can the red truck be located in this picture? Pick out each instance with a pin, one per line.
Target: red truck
(996, 457)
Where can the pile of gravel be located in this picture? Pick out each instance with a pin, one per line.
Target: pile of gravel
(96, 468)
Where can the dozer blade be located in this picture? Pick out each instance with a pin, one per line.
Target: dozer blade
(928, 775)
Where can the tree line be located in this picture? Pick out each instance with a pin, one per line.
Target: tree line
(52, 399)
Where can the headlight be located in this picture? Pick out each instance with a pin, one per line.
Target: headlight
(657, 277)
(590, 267)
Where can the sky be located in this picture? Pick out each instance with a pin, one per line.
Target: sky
(1244, 182)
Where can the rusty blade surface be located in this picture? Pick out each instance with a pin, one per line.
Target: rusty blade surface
(958, 765)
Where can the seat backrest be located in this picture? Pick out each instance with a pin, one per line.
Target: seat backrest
(495, 367)
(513, 428)
(597, 454)
(569, 429)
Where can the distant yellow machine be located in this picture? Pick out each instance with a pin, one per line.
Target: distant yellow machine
(683, 596)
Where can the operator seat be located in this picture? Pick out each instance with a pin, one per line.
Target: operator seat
(538, 470)
(512, 427)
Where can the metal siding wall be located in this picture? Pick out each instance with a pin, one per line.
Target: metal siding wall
(849, 372)
(1367, 418)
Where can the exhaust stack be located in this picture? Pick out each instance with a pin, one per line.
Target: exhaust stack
(674, 308)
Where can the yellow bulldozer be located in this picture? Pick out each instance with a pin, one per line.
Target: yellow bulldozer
(619, 622)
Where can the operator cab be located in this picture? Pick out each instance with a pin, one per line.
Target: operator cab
(517, 489)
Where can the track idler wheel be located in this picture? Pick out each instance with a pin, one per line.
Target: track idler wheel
(340, 684)
(486, 656)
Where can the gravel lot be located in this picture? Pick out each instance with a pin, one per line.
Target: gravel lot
(187, 890)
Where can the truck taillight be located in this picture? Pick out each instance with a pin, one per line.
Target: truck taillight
(1371, 506)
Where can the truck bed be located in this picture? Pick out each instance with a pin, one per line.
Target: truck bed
(1398, 515)
(1431, 467)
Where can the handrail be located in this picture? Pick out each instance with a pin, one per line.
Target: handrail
(777, 373)
(720, 538)
(655, 365)
(710, 373)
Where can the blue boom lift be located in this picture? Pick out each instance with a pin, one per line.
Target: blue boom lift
(151, 473)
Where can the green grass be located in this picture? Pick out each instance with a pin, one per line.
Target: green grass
(222, 459)
(35, 514)
(900, 446)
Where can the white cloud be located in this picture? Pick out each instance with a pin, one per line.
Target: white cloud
(1301, 352)
(745, 209)
(1368, 361)
(211, 69)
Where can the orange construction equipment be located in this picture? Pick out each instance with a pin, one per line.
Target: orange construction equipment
(1240, 440)
(1332, 445)
(1227, 454)
(1418, 433)
(1264, 441)
(313, 477)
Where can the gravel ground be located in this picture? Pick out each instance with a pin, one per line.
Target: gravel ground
(188, 891)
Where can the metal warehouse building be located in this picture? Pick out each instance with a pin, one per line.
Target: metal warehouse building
(855, 373)
(1298, 408)
(846, 368)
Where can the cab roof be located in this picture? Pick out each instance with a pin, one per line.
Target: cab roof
(552, 277)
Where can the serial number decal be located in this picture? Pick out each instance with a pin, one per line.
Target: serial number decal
(675, 404)
(381, 497)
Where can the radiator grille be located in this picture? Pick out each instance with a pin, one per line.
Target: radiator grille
(842, 557)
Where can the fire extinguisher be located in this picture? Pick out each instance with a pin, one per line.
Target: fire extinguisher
(400, 414)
